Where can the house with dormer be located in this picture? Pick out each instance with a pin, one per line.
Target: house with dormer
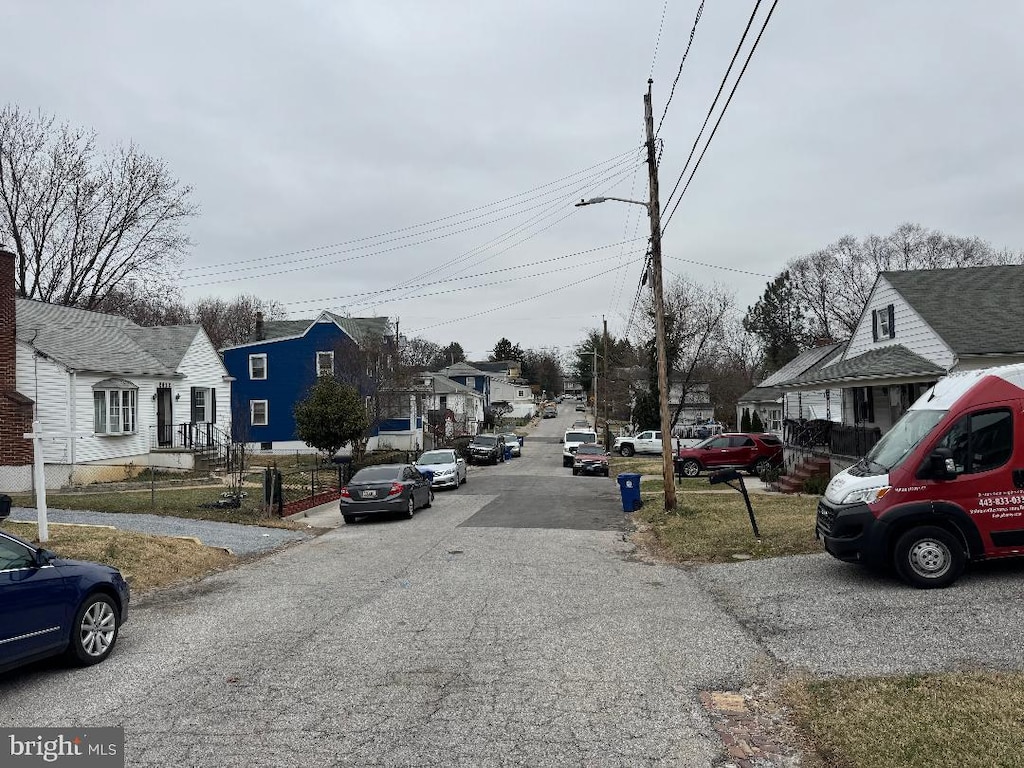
(916, 327)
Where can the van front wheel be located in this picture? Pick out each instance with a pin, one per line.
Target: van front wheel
(929, 557)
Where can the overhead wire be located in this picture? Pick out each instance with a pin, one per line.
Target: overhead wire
(714, 103)
(410, 227)
(725, 107)
(686, 52)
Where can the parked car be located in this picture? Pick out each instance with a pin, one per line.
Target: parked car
(486, 449)
(385, 489)
(648, 441)
(581, 407)
(581, 423)
(512, 441)
(447, 467)
(756, 453)
(550, 412)
(572, 439)
(590, 459)
(943, 487)
(49, 606)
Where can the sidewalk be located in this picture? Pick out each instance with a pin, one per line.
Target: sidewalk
(327, 515)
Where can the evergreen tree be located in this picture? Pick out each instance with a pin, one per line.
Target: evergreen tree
(756, 425)
(745, 421)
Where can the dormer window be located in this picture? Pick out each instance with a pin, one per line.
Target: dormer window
(883, 324)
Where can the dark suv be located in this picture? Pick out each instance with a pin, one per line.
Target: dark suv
(756, 453)
(486, 449)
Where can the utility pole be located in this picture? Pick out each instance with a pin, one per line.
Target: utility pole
(607, 434)
(654, 212)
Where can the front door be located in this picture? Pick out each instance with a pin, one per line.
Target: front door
(164, 418)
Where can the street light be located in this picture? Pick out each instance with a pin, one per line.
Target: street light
(654, 215)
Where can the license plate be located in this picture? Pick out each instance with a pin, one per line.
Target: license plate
(369, 494)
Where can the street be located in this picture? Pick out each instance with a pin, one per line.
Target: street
(506, 625)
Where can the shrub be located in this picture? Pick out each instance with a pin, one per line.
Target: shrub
(816, 484)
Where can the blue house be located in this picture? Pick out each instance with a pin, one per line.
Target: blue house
(278, 366)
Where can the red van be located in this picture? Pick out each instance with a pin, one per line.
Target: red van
(943, 487)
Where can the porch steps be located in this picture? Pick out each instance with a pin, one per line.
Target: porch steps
(793, 480)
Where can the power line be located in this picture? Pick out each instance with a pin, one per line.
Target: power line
(718, 266)
(516, 303)
(453, 279)
(589, 180)
(492, 204)
(672, 92)
(714, 103)
(657, 40)
(721, 114)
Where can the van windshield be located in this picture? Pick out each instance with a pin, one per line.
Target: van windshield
(904, 437)
(580, 437)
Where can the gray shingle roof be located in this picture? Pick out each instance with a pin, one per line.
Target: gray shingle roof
(362, 329)
(761, 395)
(805, 361)
(890, 361)
(444, 386)
(993, 295)
(93, 341)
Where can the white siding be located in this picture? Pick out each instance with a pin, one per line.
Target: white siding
(91, 447)
(47, 384)
(203, 367)
(911, 329)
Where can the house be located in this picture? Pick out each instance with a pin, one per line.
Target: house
(776, 406)
(276, 368)
(916, 326)
(571, 387)
(498, 388)
(452, 409)
(510, 369)
(697, 407)
(111, 397)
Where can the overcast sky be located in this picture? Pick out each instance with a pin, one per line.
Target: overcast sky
(307, 124)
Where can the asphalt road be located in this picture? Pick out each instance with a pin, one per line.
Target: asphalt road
(485, 633)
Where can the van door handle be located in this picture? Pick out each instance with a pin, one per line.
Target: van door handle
(1018, 478)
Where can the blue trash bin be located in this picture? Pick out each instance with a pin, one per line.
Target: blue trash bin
(629, 487)
(508, 453)
(429, 474)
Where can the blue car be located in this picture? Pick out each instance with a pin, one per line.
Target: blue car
(50, 606)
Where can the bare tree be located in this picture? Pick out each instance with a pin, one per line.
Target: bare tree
(82, 222)
(233, 321)
(832, 285)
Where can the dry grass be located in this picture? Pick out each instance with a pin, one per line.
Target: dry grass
(969, 720)
(713, 527)
(147, 562)
(177, 502)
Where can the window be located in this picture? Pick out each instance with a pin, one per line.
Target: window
(741, 441)
(258, 413)
(718, 442)
(198, 405)
(324, 363)
(442, 402)
(14, 556)
(863, 405)
(883, 323)
(981, 441)
(257, 367)
(520, 393)
(114, 407)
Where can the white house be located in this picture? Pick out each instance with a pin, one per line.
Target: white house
(453, 409)
(917, 326)
(114, 397)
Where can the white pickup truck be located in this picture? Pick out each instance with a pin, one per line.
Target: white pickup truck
(648, 441)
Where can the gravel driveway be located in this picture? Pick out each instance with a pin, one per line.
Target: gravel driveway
(240, 539)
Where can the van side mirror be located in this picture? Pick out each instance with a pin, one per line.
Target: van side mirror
(941, 465)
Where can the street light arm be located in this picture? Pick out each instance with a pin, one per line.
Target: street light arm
(595, 200)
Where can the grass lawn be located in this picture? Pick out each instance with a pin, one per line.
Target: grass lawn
(713, 527)
(651, 465)
(177, 502)
(145, 561)
(969, 720)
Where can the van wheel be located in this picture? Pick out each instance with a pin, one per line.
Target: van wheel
(929, 557)
(627, 450)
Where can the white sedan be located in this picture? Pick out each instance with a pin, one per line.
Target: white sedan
(448, 468)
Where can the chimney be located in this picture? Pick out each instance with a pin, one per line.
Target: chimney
(7, 324)
(260, 333)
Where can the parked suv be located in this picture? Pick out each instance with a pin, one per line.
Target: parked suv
(486, 449)
(756, 453)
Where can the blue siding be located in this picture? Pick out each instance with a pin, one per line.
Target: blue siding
(291, 371)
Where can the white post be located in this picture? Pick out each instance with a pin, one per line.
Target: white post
(39, 479)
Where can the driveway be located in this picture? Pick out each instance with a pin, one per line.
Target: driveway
(240, 539)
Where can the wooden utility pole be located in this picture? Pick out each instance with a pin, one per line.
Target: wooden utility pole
(607, 381)
(654, 212)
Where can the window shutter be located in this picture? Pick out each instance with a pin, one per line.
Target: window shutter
(892, 323)
(213, 405)
(192, 396)
(874, 324)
